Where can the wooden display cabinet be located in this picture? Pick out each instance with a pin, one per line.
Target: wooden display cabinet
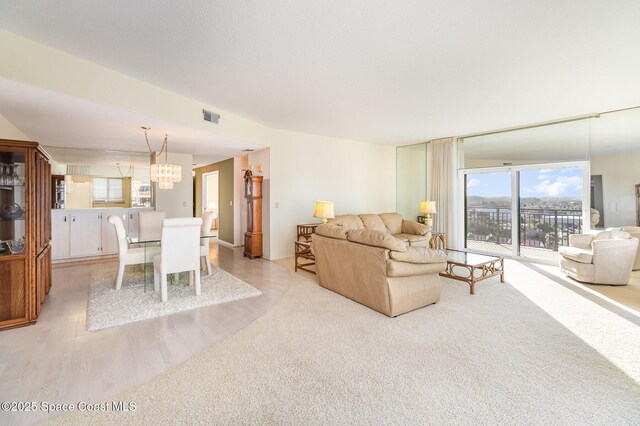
(25, 217)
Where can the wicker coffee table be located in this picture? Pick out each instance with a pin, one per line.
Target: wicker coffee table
(472, 268)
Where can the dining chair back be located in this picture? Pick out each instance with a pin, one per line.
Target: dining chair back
(179, 252)
(207, 220)
(150, 225)
(126, 256)
(180, 246)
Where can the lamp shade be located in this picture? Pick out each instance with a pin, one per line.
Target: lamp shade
(165, 174)
(212, 206)
(324, 209)
(428, 207)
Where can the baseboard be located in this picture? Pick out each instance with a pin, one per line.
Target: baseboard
(224, 243)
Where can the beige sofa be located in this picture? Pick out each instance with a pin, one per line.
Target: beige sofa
(376, 269)
(409, 231)
(603, 258)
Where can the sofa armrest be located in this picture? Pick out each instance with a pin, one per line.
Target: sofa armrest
(419, 255)
(414, 228)
(581, 240)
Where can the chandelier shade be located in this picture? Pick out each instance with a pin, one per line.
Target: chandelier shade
(164, 174)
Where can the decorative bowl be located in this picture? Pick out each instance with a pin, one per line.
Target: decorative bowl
(11, 211)
(16, 246)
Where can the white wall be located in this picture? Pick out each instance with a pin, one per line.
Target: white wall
(412, 180)
(239, 163)
(256, 158)
(620, 174)
(359, 177)
(178, 202)
(9, 131)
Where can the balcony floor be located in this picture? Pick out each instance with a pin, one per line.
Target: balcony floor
(532, 253)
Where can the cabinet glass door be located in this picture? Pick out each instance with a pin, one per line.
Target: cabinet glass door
(12, 202)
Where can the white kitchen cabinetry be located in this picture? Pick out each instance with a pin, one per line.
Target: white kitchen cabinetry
(60, 234)
(87, 233)
(109, 237)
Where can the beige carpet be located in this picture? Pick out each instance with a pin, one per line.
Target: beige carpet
(530, 352)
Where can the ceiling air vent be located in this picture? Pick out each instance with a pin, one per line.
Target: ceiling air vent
(211, 117)
(78, 169)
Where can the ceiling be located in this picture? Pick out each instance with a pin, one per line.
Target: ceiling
(58, 120)
(371, 70)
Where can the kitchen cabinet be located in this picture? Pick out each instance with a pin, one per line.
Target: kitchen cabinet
(88, 233)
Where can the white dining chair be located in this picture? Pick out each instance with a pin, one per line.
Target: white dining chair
(207, 220)
(126, 256)
(179, 252)
(150, 225)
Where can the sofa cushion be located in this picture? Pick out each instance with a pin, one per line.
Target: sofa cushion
(371, 237)
(412, 227)
(348, 221)
(405, 269)
(419, 255)
(393, 222)
(577, 254)
(420, 240)
(332, 231)
(373, 221)
(614, 234)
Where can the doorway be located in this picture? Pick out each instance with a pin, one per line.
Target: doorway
(210, 196)
(525, 211)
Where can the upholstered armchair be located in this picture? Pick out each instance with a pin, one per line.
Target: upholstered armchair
(634, 231)
(603, 258)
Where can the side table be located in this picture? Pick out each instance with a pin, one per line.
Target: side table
(304, 231)
(304, 257)
(438, 241)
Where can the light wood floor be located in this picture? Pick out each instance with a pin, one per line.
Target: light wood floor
(59, 361)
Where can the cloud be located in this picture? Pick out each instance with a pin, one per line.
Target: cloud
(473, 182)
(559, 186)
(543, 177)
(544, 171)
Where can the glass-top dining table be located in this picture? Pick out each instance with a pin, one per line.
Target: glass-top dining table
(151, 243)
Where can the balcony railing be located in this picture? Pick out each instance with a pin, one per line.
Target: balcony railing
(539, 228)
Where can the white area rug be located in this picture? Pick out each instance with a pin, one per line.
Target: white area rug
(531, 351)
(109, 308)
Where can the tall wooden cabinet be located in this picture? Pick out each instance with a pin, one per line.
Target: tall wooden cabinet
(253, 236)
(25, 232)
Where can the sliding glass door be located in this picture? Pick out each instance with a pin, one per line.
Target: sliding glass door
(488, 212)
(550, 210)
(526, 211)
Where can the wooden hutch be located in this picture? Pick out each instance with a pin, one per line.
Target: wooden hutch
(25, 232)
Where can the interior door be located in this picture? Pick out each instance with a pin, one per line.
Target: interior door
(86, 232)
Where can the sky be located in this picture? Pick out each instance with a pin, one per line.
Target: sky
(541, 183)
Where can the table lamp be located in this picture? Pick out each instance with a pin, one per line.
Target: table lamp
(428, 207)
(324, 209)
(212, 207)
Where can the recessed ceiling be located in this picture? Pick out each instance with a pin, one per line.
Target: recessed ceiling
(58, 120)
(372, 70)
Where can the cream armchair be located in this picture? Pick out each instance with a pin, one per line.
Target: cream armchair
(603, 258)
(634, 231)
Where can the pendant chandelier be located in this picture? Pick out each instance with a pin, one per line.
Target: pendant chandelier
(164, 174)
